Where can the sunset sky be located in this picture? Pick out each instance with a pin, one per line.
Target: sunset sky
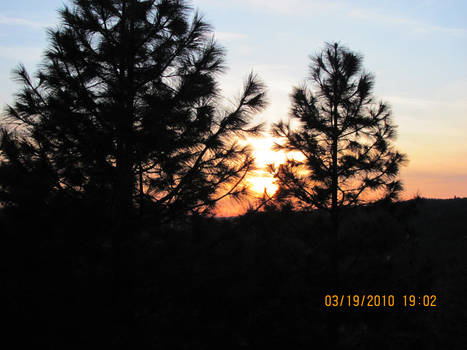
(417, 51)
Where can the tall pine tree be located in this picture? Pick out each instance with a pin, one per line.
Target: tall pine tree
(125, 111)
(125, 116)
(344, 137)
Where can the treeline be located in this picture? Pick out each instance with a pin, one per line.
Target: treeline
(251, 282)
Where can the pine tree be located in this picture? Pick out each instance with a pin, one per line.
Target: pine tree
(125, 110)
(125, 113)
(344, 137)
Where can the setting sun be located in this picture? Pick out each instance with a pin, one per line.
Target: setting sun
(263, 153)
(261, 179)
(259, 184)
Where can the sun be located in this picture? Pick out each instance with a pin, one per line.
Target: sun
(263, 153)
(261, 179)
(259, 184)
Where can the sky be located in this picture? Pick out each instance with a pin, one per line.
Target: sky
(417, 51)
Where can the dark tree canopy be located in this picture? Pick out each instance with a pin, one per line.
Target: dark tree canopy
(343, 134)
(125, 109)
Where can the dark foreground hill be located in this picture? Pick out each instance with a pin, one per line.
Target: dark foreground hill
(252, 282)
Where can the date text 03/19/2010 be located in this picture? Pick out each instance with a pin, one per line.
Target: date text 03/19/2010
(379, 300)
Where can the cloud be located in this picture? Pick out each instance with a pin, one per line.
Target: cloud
(336, 9)
(230, 36)
(425, 103)
(451, 108)
(279, 6)
(296, 6)
(414, 25)
(21, 53)
(15, 21)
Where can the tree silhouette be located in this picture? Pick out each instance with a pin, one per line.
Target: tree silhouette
(344, 137)
(125, 109)
(125, 113)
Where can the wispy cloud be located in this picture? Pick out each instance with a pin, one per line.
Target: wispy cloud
(279, 6)
(297, 6)
(455, 106)
(230, 36)
(16, 21)
(337, 9)
(411, 24)
(21, 53)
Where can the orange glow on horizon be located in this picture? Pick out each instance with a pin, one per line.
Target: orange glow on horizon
(438, 182)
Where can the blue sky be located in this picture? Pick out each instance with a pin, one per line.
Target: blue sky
(416, 49)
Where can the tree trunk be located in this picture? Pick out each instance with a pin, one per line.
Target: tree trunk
(124, 187)
(333, 325)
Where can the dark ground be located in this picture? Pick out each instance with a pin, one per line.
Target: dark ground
(252, 282)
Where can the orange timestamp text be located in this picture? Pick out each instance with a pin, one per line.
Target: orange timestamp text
(379, 300)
